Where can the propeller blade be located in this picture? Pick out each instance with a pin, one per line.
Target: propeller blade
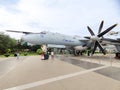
(107, 30)
(100, 28)
(95, 46)
(101, 48)
(90, 30)
(87, 37)
(88, 44)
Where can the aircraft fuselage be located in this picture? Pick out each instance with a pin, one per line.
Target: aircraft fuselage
(52, 38)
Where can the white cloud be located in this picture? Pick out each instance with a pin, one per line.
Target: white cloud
(64, 16)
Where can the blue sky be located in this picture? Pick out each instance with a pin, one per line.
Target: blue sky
(64, 16)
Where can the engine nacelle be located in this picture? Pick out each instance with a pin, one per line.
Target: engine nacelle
(80, 48)
(95, 38)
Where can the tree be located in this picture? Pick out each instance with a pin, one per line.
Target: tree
(6, 43)
(34, 48)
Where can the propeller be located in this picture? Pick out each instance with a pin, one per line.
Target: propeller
(101, 26)
(96, 39)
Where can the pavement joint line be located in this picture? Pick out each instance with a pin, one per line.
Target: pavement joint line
(46, 81)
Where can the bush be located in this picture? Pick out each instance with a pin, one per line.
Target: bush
(6, 55)
(25, 54)
(39, 51)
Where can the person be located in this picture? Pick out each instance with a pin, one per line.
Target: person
(42, 56)
(52, 55)
(17, 55)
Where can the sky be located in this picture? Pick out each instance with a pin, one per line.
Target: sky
(69, 17)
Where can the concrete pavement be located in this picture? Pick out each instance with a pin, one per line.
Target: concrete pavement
(35, 74)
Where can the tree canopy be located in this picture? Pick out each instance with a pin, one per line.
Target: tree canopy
(6, 42)
(10, 45)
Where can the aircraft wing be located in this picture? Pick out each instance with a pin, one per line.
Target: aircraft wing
(111, 41)
(19, 31)
(56, 46)
(83, 40)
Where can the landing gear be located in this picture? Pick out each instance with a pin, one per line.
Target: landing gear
(117, 55)
(77, 53)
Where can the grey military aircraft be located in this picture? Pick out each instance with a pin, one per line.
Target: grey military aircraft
(77, 44)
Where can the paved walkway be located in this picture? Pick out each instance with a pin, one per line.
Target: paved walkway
(35, 74)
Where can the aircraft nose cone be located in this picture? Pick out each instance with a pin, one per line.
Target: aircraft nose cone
(25, 38)
(30, 38)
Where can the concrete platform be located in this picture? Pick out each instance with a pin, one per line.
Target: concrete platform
(62, 73)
